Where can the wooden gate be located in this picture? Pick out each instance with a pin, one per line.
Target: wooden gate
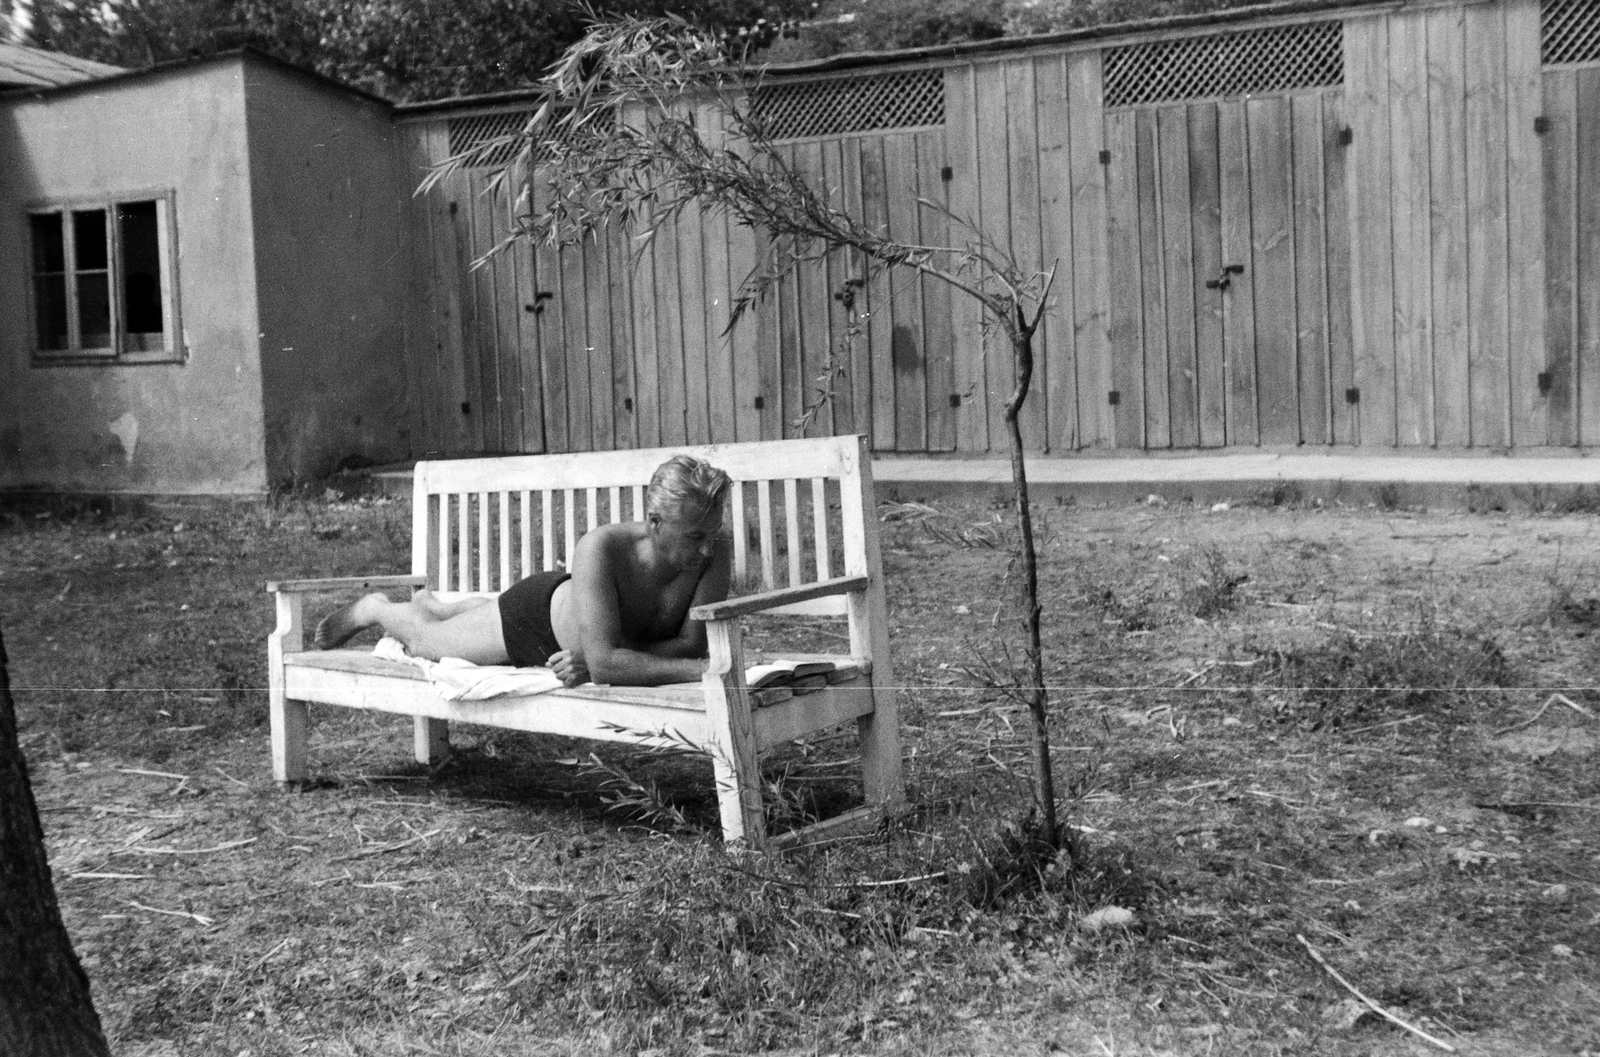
(1229, 257)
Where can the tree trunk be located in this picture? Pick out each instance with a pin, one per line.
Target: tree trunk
(1044, 783)
(45, 1009)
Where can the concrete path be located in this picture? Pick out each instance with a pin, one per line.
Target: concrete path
(1469, 481)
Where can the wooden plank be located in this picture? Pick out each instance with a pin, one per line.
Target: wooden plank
(624, 404)
(1177, 258)
(508, 315)
(529, 331)
(422, 293)
(1056, 341)
(460, 375)
(1205, 221)
(572, 292)
(966, 316)
(1487, 284)
(1157, 411)
(814, 339)
(692, 313)
(790, 351)
(646, 364)
(994, 217)
(875, 214)
(478, 230)
(1022, 137)
(1336, 230)
(837, 271)
(721, 397)
(1098, 423)
(769, 354)
(597, 324)
(1587, 274)
(855, 278)
(1172, 131)
(938, 338)
(1560, 143)
(744, 341)
(1126, 282)
(1525, 259)
(1372, 305)
(905, 299)
(1447, 167)
(1413, 244)
(549, 320)
(671, 362)
(1310, 270)
(1238, 305)
(1272, 267)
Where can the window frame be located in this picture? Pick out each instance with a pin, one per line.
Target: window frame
(172, 349)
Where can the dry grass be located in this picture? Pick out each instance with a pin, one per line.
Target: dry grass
(1272, 720)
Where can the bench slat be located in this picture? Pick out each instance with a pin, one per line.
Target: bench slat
(791, 525)
(819, 524)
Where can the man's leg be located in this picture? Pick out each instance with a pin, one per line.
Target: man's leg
(471, 630)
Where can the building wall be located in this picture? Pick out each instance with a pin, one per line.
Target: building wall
(179, 427)
(327, 201)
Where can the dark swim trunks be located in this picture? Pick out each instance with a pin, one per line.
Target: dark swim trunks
(525, 618)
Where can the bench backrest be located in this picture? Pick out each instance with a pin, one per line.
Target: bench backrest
(800, 511)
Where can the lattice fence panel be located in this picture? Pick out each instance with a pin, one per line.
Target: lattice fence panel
(477, 134)
(1569, 31)
(910, 99)
(1277, 59)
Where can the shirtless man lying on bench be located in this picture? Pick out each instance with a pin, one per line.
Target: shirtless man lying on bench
(620, 617)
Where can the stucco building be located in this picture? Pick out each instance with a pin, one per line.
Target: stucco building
(204, 279)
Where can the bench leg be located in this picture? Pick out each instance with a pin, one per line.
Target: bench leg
(733, 747)
(289, 721)
(432, 739)
(879, 736)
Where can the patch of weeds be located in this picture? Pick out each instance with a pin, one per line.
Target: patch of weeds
(1209, 588)
(1352, 677)
(1123, 604)
(1279, 494)
(1580, 500)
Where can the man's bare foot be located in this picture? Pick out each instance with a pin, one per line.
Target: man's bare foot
(340, 626)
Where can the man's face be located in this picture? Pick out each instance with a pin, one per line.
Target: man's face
(686, 541)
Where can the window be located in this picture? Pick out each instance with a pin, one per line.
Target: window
(104, 284)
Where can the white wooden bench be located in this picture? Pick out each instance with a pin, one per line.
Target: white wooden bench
(479, 525)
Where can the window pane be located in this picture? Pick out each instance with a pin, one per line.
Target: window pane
(89, 238)
(141, 279)
(49, 254)
(50, 303)
(94, 310)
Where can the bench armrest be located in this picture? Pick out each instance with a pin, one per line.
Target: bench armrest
(345, 583)
(745, 604)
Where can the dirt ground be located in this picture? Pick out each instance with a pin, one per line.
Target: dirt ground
(1280, 729)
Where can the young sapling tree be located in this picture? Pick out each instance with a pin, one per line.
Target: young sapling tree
(645, 119)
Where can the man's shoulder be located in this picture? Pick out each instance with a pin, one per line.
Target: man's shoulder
(605, 539)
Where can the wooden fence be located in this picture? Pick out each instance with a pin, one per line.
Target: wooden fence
(1375, 227)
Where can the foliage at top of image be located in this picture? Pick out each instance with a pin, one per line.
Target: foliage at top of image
(404, 50)
(419, 50)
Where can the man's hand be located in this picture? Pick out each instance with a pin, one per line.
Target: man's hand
(569, 667)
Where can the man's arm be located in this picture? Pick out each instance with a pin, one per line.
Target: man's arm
(610, 659)
(690, 641)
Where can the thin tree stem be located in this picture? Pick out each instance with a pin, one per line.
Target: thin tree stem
(1044, 786)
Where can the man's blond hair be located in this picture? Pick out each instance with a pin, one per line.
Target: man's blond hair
(685, 487)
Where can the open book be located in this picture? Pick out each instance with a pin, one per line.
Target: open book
(780, 671)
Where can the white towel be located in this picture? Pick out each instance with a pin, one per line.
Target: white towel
(464, 681)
